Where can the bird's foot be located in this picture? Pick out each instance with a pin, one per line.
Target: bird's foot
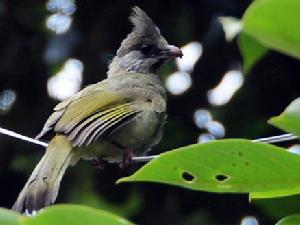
(99, 163)
(127, 159)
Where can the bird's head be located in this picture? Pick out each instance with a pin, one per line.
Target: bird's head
(144, 50)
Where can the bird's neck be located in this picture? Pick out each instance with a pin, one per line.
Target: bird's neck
(115, 67)
(122, 65)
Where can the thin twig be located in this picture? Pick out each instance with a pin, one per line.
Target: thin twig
(144, 158)
(278, 138)
(272, 139)
(22, 137)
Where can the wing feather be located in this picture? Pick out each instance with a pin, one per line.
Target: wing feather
(92, 112)
(124, 119)
(102, 123)
(106, 127)
(84, 107)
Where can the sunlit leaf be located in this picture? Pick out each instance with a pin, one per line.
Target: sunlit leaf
(290, 220)
(8, 217)
(275, 23)
(251, 50)
(75, 215)
(289, 120)
(232, 165)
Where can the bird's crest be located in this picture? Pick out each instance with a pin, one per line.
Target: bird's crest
(142, 24)
(143, 27)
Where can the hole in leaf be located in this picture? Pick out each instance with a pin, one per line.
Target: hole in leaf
(221, 177)
(187, 177)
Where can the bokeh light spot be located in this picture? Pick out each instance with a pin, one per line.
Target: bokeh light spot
(191, 54)
(216, 128)
(178, 82)
(7, 99)
(67, 81)
(206, 137)
(249, 220)
(294, 149)
(59, 23)
(224, 91)
(232, 27)
(202, 117)
(66, 7)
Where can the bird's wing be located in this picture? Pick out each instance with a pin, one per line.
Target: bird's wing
(94, 111)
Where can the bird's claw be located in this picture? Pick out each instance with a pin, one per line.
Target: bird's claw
(127, 159)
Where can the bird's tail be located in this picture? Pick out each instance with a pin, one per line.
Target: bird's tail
(42, 187)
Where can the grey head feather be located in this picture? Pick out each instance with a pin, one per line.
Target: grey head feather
(143, 25)
(130, 57)
(143, 28)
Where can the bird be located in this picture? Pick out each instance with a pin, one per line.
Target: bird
(121, 116)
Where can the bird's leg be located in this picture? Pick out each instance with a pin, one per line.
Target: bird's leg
(127, 158)
(98, 162)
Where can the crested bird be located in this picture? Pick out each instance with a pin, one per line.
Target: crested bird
(124, 114)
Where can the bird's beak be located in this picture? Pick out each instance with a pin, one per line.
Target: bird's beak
(171, 51)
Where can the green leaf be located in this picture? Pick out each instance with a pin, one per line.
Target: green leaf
(290, 220)
(275, 23)
(289, 120)
(232, 165)
(75, 215)
(275, 193)
(251, 50)
(278, 208)
(8, 217)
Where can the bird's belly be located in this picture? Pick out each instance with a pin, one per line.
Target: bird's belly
(141, 133)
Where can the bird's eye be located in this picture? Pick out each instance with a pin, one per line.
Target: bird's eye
(146, 48)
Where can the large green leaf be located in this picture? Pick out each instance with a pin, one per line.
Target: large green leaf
(290, 220)
(275, 24)
(232, 165)
(73, 215)
(8, 217)
(251, 50)
(289, 120)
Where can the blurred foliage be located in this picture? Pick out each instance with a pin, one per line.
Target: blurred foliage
(251, 50)
(73, 214)
(8, 217)
(290, 220)
(259, 20)
(96, 31)
(289, 119)
(259, 31)
(279, 208)
(62, 215)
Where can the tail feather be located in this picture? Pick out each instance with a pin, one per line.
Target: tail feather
(42, 187)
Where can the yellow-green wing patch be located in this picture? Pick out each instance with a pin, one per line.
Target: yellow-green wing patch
(85, 106)
(90, 129)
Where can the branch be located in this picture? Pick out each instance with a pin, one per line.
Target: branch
(272, 139)
(22, 137)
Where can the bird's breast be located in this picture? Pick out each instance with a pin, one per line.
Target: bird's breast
(141, 133)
